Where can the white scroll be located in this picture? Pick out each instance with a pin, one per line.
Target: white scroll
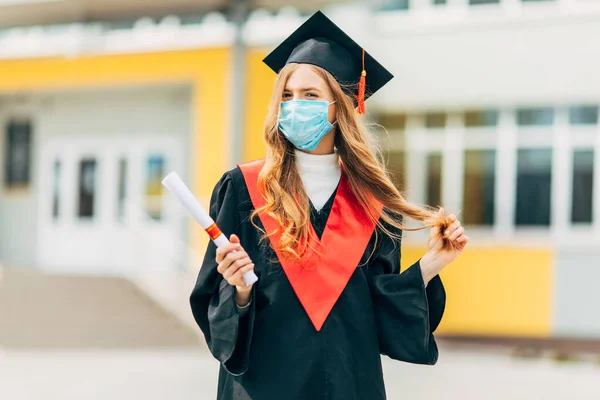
(176, 186)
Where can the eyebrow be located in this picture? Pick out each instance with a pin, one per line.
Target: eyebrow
(308, 89)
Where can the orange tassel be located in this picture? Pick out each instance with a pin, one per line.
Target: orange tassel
(361, 92)
(362, 85)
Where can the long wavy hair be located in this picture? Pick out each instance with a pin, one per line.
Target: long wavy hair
(364, 168)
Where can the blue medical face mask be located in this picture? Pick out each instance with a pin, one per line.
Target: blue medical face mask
(305, 122)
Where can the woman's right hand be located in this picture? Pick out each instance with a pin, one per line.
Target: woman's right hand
(234, 262)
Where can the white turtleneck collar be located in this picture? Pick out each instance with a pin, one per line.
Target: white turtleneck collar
(320, 175)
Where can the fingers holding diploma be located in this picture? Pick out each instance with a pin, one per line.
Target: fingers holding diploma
(234, 262)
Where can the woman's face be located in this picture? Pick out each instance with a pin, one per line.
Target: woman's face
(306, 84)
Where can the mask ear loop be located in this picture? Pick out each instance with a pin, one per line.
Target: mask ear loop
(334, 122)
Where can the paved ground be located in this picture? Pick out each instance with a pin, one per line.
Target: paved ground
(180, 374)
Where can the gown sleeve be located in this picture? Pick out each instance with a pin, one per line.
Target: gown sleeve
(226, 328)
(407, 312)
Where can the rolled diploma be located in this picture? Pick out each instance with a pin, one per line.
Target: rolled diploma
(176, 186)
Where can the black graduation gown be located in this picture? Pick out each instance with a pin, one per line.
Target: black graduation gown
(274, 352)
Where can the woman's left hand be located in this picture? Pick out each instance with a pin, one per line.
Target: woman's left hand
(437, 257)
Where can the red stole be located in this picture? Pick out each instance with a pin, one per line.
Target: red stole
(322, 277)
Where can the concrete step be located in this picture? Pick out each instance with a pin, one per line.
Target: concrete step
(39, 310)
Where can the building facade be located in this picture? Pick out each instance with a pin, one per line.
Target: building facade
(493, 113)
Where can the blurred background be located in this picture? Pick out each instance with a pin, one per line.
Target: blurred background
(493, 113)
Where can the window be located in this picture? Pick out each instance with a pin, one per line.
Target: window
(56, 189)
(390, 5)
(155, 172)
(435, 120)
(481, 2)
(583, 186)
(393, 121)
(122, 191)
(534, 168)
(481, 118)
(396, 167)
(583, 115)
(479, 186)
(124, 24)
(434, 180)
(87, 188)
(191, 19)
(535, 116)
(17, 157)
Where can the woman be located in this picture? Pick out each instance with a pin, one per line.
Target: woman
(320, 224)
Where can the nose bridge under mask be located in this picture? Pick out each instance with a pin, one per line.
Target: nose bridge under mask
(303, 109)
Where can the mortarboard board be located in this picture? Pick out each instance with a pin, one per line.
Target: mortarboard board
(322, 43)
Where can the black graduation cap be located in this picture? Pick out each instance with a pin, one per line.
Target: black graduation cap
(322, 43)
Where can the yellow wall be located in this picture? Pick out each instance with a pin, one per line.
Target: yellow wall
(260, 80)
(206, 69)
(496, 292)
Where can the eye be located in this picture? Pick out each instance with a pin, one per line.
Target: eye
(312, 95)
(286, 96)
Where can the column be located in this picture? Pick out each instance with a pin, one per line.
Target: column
(506, 174)
(458, 6)
(512, 8)
(453, 163)
(238, 78)
(596, 195)
(416, 160)
(567, 5)
(562, 175)
(420, 6)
